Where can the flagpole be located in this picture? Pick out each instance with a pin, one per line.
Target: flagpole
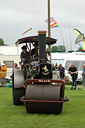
(49, 33)
(49, 30)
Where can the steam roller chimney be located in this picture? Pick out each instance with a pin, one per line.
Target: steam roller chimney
(42, 45)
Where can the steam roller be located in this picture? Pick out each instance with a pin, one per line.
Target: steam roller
(42, 91)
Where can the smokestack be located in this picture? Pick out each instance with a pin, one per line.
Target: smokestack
(42, 45)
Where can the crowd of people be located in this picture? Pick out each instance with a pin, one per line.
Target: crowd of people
(73, 72)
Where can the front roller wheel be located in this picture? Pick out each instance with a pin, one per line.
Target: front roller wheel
(43, 92)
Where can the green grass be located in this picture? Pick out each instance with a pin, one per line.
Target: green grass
(72, 116)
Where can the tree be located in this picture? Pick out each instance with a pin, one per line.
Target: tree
(61, 48)
(54, 48)
(2, 42)
(58, 48)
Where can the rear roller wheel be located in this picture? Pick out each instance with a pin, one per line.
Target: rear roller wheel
(17, 91)
(17, 94)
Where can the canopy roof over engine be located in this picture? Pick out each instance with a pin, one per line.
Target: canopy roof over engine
(34, 39)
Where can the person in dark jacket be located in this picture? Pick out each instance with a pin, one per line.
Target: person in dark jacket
(24, 54)
(34, 51)
(61, 70)
(73, 72)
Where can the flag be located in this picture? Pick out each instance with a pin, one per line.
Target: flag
(80, 38)
(53, 23)
(78, 32)
(27, 31)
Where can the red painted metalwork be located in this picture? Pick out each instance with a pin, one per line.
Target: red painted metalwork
(46, 81)
(45, 101)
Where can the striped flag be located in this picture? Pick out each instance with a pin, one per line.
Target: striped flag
(53, 23)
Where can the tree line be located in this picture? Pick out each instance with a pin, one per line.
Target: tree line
(61, 48)
(2, 42)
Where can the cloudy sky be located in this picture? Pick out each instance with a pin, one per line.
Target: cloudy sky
(16, 16)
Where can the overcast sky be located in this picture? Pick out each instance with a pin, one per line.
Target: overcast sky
(16, 16)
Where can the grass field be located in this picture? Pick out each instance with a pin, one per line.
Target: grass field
(72, 116)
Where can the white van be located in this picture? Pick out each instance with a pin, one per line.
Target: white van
(58, 58)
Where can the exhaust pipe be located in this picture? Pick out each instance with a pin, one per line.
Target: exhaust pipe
(42, 45)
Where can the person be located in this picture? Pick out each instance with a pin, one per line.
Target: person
(61, 70)
(73, 72)
(34, 51)
(48, 56)
(3, 74)
(52, 67)
(15, 67)
(56, 67)
(83, 76)
(20, 65)
(24, 54)
(0, 73)
(55, 72)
